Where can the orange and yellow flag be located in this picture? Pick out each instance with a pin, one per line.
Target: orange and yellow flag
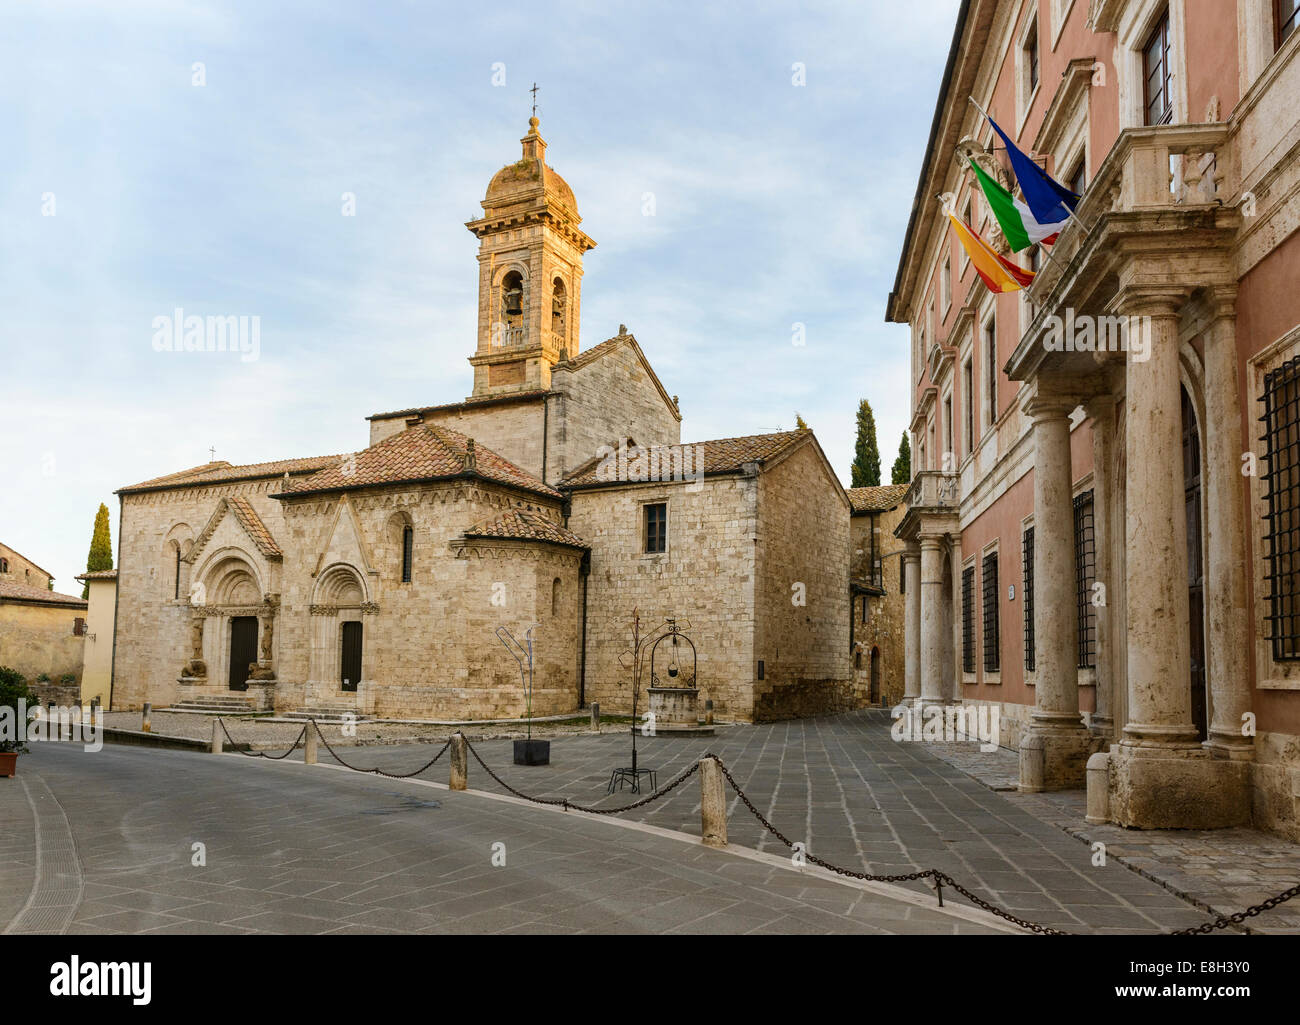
(999, 274)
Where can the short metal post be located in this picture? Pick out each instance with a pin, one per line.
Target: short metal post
(708, 712)
(309, 744)
(459, 762)
(216, 737)
(713, 804)
(595, 715)
(145, 725)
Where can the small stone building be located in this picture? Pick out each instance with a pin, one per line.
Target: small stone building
(42, 632)
(877, 584)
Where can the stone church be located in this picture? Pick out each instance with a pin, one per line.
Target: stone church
(557, 496)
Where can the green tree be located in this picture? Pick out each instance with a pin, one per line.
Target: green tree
(902, 472)
(866, 455)
(101, 547)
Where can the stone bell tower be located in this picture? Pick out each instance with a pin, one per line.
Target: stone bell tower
(530, 274)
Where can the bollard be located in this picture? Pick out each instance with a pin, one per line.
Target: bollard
(1098, 789)
(459, 762)
(708, 712)
(145, 725)
(309, 740)
(595, 715)
(216, 737)
(713, 804)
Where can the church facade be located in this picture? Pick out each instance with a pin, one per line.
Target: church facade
(557, 496)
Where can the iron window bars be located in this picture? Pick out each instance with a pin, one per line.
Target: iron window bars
(1281, 421)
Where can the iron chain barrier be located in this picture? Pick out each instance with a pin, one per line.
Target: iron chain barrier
(938, 878)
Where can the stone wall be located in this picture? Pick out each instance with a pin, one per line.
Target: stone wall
(706, 576)
(611, 398)
(37, 639)
(884, 625)
(429, 645)
(802, 589)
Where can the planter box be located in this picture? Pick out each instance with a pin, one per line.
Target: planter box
(532, 752)
(8, 764)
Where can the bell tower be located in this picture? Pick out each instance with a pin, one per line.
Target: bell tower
(530, 274)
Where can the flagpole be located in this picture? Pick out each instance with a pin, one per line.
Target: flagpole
(1069, 212)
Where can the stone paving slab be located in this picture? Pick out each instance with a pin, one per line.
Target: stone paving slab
(857, 798)
(290, 849)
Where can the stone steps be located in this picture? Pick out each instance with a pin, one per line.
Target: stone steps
(326, 713)
(215, 706)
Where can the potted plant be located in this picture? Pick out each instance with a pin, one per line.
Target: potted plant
(527, 751)
(14, 697)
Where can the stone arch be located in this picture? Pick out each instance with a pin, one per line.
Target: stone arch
(559, 312)
(395, 559)
(341, 585)
(231, 578)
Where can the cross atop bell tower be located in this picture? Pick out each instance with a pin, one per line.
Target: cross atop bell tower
(530, 273)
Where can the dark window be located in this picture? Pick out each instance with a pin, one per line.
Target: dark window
(1027, 597)
(902, 575)
(408, 553)
(760, 668)
(1287, 13)
(968, 620)
(656, 527)
(1085, 574)
(989, 570)
(968, 397)
(79, 627)
(1281, 421)
(1079, 180)
(1031, 57)
(4, 565)
(1156, 72)
(177, 591)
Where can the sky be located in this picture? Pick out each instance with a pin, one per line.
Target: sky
(169, 154)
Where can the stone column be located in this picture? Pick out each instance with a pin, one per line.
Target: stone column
(1225, 590)
(1102, 411)
(932, 625)
(1161, 777)
(1055, 731)
(912, 633)
(954, 652)
(1159, 659)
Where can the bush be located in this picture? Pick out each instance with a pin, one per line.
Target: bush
(43, 678)
(13, 689)
(68, 679)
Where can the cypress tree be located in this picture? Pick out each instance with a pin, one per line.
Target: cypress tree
(101, 547)
(866, 454)
(902, 472)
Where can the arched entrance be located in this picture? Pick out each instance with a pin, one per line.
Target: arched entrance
(1195, 567)
(874, 693)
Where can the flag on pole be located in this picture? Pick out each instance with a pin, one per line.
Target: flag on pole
(1018, 223)
(1047, 199)
(999, 274)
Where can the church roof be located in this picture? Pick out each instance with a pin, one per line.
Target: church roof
(221, 472)
(469, 403)
(419, 453)
(721, 456)
(37, 595)
(527, 525)
(876, 499)
(252, 523)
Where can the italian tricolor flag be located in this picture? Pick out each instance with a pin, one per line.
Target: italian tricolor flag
(999, 274)
(1017, 222)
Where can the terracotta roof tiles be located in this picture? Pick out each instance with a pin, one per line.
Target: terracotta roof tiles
(527, 525)
(876, 499)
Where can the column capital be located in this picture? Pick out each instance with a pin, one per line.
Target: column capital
(1220, 302)
(1046, 408)
(1100, 408)
(1150, 300)
(931, 542)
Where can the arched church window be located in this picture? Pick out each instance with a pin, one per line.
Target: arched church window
(4, 565)
(559, 310)
(556, 588)
(408, 553)
(176, 589)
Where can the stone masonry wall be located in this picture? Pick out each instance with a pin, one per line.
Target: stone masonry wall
(706, 577)
(884, 625)
(803, 539)
(610, 398)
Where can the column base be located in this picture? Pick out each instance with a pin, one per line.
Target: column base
(1232, 746)
(1177, 787)
(1055, 758)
